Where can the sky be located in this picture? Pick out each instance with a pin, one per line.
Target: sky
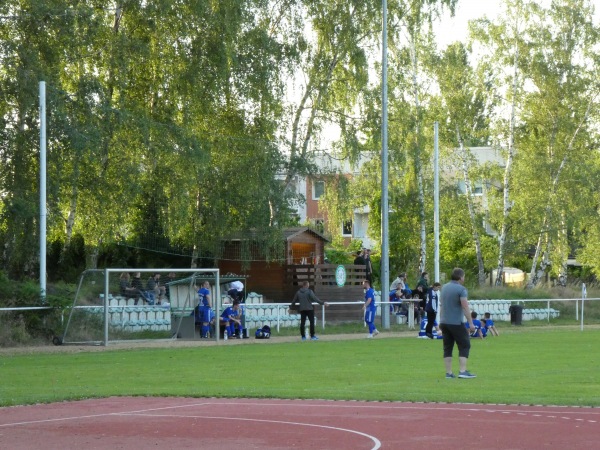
(455, 28)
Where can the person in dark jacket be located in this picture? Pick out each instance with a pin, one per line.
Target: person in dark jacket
(360, 258)
(136, 283)
(420, 294)
(432, 307)
(368, 266)
(305, 298)
(424, 281)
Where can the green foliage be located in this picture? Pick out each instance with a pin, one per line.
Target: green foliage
(162, 132)
(28, 327)
(18, 293)
(170, 127)
(66, 262)
(508, 293)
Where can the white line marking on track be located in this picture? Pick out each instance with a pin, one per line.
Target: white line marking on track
(281, 422)
(332, 404)
(419, 406)
(91, 416)
(144, 413)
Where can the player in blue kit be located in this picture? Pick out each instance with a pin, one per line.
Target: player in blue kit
(370, 309)
(232, 317)
(488, 324)
(480, 331)
(435, 330)
(204, 309)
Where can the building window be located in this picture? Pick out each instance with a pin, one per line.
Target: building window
(318, 189)
(361, 224)
(319, 225)
(476, 187)
(347, 228)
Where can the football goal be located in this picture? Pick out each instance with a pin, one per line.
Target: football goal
(112, 305)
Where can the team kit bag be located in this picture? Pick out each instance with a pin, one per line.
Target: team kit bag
(263, 333)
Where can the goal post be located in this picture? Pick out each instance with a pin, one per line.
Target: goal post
(117, 304)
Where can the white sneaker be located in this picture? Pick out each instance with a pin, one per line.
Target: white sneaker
(375, 333)
(369, 336)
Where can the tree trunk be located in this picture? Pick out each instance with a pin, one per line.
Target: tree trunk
(418, 161)
(507, 173)
(535, 275)
(194, 260)
(563, 271)
(299, 152)
(94, 257)
(70, 222)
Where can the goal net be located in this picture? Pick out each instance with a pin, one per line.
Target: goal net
(114, 305)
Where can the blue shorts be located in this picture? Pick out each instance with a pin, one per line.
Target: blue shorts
(206, 314)
(369, 316)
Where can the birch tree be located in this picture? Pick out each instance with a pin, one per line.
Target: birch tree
(466, 115)
(410, 49)
(504, 43)
(332, 72)
(558, 111)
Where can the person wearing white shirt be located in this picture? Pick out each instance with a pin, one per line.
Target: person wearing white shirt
(399, 282)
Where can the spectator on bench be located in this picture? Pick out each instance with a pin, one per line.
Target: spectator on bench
(230, 318)
(127, 290)
(170, 279)
(419, 294)
(136, 283)
(396, 298)
(155, 292)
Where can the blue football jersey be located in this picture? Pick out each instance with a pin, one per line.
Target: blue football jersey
(370, 294)
(204, 294)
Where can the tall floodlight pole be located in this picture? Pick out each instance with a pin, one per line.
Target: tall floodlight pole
(436, 201)
(43, 190)
(385, 263)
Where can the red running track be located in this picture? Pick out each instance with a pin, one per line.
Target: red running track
(240, 424)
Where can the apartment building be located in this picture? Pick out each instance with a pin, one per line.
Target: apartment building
(313, 188)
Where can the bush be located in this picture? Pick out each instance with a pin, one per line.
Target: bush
(30, 326)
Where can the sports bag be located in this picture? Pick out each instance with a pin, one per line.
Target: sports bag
(263, 333)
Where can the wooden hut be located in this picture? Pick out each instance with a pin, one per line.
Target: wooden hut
(304, 260)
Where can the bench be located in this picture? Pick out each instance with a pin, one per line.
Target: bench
(123, 314)
(499, 309)
(258, 315)
(540, 313)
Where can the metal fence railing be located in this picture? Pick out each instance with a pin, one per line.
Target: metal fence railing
(278, 315)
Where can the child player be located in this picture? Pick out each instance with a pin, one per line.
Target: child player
(489, 324)
(480, 332)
